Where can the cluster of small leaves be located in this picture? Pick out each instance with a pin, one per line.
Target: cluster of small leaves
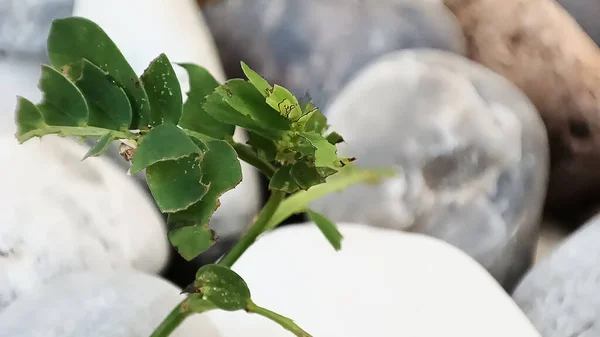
(90, 90)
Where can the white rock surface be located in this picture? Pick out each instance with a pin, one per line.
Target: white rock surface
(60, 214)
(472, 149)
(382, 283)
(143, 29)
(95, 304)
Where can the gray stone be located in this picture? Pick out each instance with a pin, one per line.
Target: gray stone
(60, 214)
(560, 293)
(586, 13)
(95, 304)
(472, 149)
(25, 24)
(316, 46)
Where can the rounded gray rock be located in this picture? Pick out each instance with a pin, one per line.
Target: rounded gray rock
(472, 151)
(60, 214)
(95, 304)
(560, 294)
(316, 46)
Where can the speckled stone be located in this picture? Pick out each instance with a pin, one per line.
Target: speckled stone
(60, 214)
(472, 149)
(317, 46)
(560, 294)
(25, 24)
(97, 304)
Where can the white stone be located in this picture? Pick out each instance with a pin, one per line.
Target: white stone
(472, 149)
(61, 214)
(382, 283)
(143, 29)
(95, 304)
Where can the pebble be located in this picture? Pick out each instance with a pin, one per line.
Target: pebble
(559, 294)
(382, 283)
(471, 148)
(96, 304)
(317, 46)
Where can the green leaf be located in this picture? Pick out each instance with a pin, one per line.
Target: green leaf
(190, 239)
(314, 121)
(346, 176)
(75, 38)
(257, 81)
(221, 172)
(29, 120)
(62, 103)
(176, 184)
(325, 154)
(305, 176)
(265, 148)
(164, 142)
(222, 287)
(244, 98)
(282, 180)
(328, 228)
(216, 106)
(194, 117)
(101, 146)
(334, 138)
(283, 101)
(163, 90)
(108, 104)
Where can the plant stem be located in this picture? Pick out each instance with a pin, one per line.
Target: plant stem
(246, 154)
(255, 230)
(172, 321)
(190, 305)
(285, 322)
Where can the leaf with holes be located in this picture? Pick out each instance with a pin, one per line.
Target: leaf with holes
(222, 172)
(73, 39)
(164, 142)
(163, 90)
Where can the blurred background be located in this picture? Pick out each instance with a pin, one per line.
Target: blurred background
(490, 109)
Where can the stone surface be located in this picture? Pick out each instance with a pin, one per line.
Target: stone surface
(540, 48)
(25, 24)
(60, 214)
(472, 150)
(316, 46)
(96, 304)
(382, 283)
(560, 293)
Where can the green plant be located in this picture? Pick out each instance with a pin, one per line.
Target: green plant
(187, 148)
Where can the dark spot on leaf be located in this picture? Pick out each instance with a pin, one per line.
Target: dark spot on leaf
(351, 159)
(137, 84)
